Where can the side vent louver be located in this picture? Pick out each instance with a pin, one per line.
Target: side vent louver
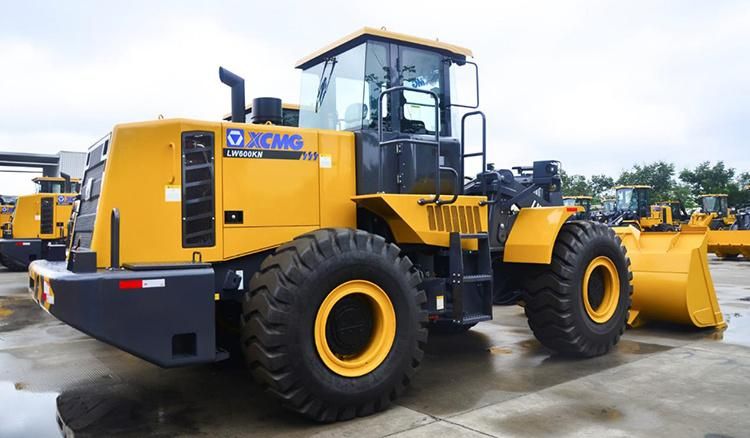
(454, 219)
(198, 219)
(47, 215)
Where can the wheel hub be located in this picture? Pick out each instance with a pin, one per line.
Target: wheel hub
(349, 326)
(355, 328)
(601, 289)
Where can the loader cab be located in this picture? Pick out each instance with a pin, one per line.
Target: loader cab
(579, 201)
(678, 212)
(633, 201)
(54, 184)
(46, 184)
(393, 92)
(609, 206)
(715, 204)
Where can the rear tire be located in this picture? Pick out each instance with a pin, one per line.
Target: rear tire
(568, 316)
(282, 324)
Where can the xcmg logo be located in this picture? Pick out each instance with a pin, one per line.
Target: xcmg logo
(264, 140)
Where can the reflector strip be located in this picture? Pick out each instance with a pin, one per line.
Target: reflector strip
(131, 284)
(23, 243)
(142, 284)
(156, 282)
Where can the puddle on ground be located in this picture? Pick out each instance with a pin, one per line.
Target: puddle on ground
(125, 409)
(737, 331)
(25, 413)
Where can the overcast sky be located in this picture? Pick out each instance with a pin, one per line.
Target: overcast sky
(599, 85)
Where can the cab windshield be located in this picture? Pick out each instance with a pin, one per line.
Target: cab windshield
(609, 205)
(626, 201)
(49, 187)
(341, 92)
(714, 204)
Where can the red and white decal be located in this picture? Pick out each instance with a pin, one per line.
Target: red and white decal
(48, 295)
(142, 284)
(23, 243)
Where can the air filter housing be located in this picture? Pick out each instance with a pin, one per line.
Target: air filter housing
(266, 109)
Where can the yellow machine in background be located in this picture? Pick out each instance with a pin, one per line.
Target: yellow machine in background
(714, 212)
(39, 220)
(337, 245)
(7, 207)
(582, 201)
(634, 208)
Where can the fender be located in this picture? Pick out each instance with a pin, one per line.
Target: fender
(534, 232)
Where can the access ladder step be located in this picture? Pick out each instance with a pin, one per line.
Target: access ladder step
(474, 236)
(477, 278)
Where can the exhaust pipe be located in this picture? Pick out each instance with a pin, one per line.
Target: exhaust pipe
(237, 84)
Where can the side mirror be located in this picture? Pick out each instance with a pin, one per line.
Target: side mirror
(454, 71)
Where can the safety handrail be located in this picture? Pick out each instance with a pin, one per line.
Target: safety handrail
(436, 142)
(482, 154)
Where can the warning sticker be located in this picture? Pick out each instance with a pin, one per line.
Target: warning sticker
(326, 162)
(172, 194)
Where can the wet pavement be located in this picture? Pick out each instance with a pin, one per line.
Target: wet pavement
(494, 380)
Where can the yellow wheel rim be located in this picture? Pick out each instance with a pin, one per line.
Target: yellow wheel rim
(381, 336)
(602, 312)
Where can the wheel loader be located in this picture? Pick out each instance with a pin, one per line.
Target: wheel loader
(714, 212)
(634, 208)
(583, 201)
(339, 245)
(7, 207)
(39, 220)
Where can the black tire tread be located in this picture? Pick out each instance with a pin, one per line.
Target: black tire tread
(266, 314)
(550, 310)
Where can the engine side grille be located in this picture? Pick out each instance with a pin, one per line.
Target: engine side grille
(90, 192)
(198, 220)
(47, 215)
(454, 219)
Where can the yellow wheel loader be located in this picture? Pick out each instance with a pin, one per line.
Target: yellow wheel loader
(633, 207)
(40, 222)
(714, 212)
(338, 245)
(7, 207)
(583, 201)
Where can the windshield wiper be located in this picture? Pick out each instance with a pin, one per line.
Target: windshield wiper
(324, 82)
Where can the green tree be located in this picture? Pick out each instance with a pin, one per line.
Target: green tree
(575, 185)
(705, 178)
(600, 184)
(681, 192)
(659, 175)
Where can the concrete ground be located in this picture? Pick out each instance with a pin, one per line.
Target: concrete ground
(495, 380)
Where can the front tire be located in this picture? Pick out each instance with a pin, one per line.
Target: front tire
(578, 304)
(334, 324)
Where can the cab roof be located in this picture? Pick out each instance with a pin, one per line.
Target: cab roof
(636, 186)
(369, 33)
(719, 195)
(578, 197)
